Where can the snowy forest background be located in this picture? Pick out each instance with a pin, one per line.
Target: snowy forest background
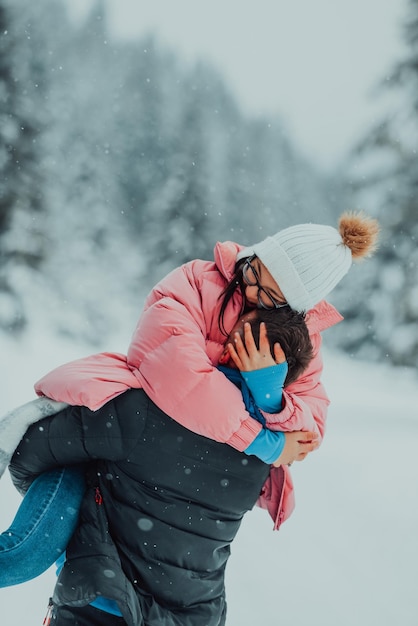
(118, 162)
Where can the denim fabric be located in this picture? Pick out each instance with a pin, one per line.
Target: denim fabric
(42, 527)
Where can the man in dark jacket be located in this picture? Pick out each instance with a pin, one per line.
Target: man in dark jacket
(161, 508)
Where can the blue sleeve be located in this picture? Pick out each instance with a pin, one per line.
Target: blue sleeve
(267, 446)
(266, 386)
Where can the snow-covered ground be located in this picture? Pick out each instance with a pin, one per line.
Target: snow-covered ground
(348, 556)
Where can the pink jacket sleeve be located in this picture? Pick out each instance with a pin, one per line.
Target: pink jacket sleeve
(91, 381)
(172, 365)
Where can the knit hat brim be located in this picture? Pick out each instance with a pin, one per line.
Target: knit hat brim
(272, 255)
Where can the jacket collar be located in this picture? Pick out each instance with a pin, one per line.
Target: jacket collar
(225, 255)
(322, 316)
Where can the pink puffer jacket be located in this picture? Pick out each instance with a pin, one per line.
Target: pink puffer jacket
(173, 356)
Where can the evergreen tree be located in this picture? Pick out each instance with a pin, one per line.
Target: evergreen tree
(383, 306)
(86, 218)
(23, 84)
(143, 128)
(9, 129)
(184, 198)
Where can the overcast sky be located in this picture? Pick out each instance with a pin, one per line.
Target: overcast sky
(315, 62)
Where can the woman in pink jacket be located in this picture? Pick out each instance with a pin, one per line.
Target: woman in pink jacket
(180, 336)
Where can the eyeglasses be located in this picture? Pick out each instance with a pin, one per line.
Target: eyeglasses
(252, 279)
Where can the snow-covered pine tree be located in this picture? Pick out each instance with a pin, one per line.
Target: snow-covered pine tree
(382, 309)
(183, 203)
(23, 84)
(91, 254)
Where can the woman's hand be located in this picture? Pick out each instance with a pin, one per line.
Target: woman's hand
(298, 445)
(245, 354)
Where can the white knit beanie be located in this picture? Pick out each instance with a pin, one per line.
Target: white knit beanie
(308, 260)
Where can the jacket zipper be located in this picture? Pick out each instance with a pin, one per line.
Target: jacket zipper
(48, 616)
(98, 498)
(280, 512)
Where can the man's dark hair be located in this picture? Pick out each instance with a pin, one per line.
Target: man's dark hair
(287, 327)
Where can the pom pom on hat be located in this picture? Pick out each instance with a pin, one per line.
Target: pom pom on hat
(359, 233)
(308, 260)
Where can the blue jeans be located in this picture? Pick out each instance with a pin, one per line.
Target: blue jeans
(42, 527)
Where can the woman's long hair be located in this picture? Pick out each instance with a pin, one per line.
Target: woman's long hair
(236, 282)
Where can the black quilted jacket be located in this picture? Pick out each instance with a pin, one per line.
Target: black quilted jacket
(161, 509)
